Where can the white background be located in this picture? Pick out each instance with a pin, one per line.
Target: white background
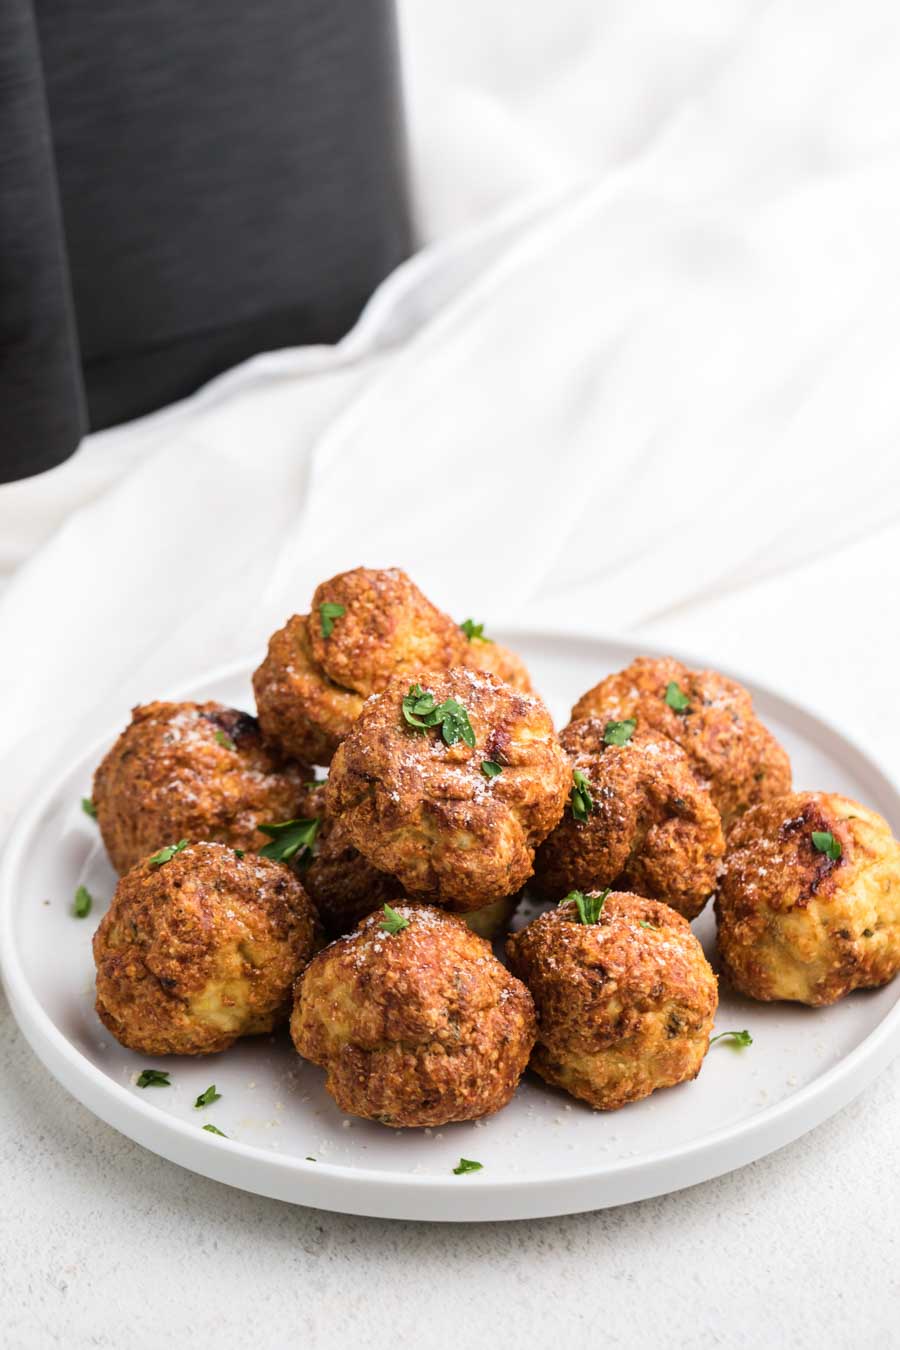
(643, 379)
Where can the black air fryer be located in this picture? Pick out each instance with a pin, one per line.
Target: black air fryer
(183, 183)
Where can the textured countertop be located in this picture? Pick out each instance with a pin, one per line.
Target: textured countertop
(105, 1245)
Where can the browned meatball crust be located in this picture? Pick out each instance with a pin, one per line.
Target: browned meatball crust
(624, 1005)
(797, 922)
(322, 666)
(190, 771)
(343, 885)
(651, 828)
(422, 1027)
(199, 950)
(731, 751)
(498, 660)
(428, 813)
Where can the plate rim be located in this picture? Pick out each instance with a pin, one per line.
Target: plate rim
(374, 1192)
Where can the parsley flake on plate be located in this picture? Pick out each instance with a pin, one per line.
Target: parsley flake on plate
(168, 853)
(81, 905)
(421, 712)
(467, 1165)
(737, 1038)
(212, 1129)
(490, 768)
(619, 733)
(153, 1078)
(328, 612)
(393, 922)
(208, 1097)
(676, 698)
(474, 631)
(581, 801)
(825, 842)
(89, 808)
(290, 837)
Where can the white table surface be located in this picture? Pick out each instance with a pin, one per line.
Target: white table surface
(104, 1245)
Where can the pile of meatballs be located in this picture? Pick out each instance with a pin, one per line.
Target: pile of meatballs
(359, 907)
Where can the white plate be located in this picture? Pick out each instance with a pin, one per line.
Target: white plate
(544, 1154)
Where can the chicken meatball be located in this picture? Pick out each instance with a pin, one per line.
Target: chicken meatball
(709, 716)
(193, 771)
(414, 1020)
(625, 1003)
(450, 784)
(364, 627)
(200, 946)
(484, 654)
(809, 901)
(637, 819)
(345, 887)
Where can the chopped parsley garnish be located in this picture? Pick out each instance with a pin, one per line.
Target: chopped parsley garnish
(166, 854)
(89, 808)
(239, 852)
(393, 922)
(422, 713)
(645, 923)
(81, 905)
(588, 906)
(225, 741)
(309, 1158)
(474, 631)
(290, 837)
(153, 1078)
(619, 733)
(677, 700)
(417, 705)
(328, 612)
(208, 1097)
(490, 768)
(581, 801)
(212, 1129)
(825, 842)
(737, 1038)
(466, 1165)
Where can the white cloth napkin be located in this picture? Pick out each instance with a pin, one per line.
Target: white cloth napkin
(663, 402)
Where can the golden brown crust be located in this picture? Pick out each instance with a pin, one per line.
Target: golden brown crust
(797, 924)
(497, 660)
(625, 1005)
(190, 771)
(201, 950)
(311, 688)
(299, 708)
(423, 1027)
(343, 885)
(388, 627)
(426, 812)
(731, 751)
(652, 828)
